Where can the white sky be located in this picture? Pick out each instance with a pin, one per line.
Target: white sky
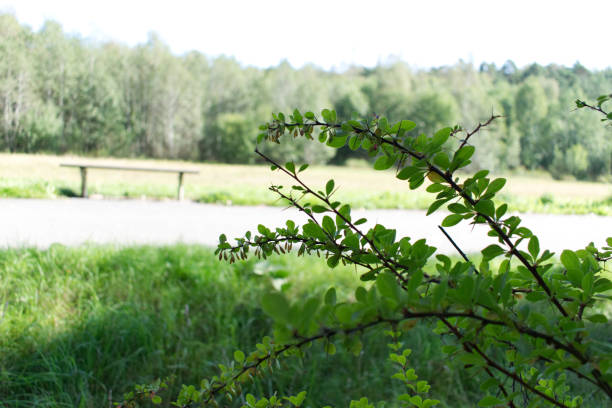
(334, 34)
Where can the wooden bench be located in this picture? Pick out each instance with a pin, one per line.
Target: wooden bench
(84, 167)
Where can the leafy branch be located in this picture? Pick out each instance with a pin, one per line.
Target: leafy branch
(524, 319)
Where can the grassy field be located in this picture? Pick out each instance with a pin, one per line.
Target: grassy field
(40, 176)
(80, 325)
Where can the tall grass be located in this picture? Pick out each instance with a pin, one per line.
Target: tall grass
(80, 326)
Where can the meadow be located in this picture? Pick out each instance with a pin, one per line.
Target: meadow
(79, 326)
(40, 176)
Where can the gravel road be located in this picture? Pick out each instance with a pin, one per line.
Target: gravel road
(40, 223)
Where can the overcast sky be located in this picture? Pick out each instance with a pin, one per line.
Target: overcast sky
(334, 34)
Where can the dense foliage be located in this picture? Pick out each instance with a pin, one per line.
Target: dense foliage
(60, 93)
(519, 322)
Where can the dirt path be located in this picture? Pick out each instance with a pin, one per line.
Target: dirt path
(40, 223)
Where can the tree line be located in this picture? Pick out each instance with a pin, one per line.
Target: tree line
(65, 94)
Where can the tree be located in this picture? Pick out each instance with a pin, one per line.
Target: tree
(532, 109)
(15, 86)
(61, 93)
(236, 142)
(520, 325)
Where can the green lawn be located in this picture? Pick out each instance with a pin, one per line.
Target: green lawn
(40, 176)
(80, 325)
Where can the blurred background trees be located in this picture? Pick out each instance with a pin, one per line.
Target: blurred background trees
(61, 94)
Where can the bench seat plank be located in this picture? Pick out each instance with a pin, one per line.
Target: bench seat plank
(111, 167)
(83, 168)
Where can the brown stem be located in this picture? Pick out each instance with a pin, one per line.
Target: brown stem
(383, 259)
(477, 129)
(473, 348)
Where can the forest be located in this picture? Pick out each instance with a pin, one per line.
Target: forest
(61, 93)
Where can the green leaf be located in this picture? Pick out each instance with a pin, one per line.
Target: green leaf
(441, 136)
(490, 401)
(473, 359)
(416, 181)
(435, 188)
(326, 114)
(492, 251)
(417, 400)
(465, 289)
(407, 125)
(337, 141)
(501, 210)
(333, 261)
(344, 313)
(572, 264)
(449, 349)
(330, 348)
(156, 399)
(290, 166)
(276, 306)
(404, 125)
(407, 172)
(328, 225)
(329, 187)
(239, 356)
(480, 174)
(597, 318)
(310, 307)
(441, 160)
(463, 154)
(361, 294)
(536, 296)
(488, 383)
(423, 387)
(330, 297)
(451, 220)
(354, 142)
(534, 247)
(415, 280)
(602, 285)
(383, 124)
(428, 403)
(312, 230)
(495, 186)
(351, 241)
(318, 209)
(384, 162)
(354, 125)
(262, 229)
(485, 207)
(298, 400)
(435, 205)
(457, 208)
(387, 286)
(570, 260)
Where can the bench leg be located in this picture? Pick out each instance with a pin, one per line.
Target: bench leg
(83, 182)
(181, 192)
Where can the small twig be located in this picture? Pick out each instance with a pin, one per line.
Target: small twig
(463, 255)
(477, 129)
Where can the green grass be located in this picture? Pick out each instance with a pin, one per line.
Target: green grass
(81, 325)
(40, 176)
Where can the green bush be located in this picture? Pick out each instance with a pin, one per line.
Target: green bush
(518, 322)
